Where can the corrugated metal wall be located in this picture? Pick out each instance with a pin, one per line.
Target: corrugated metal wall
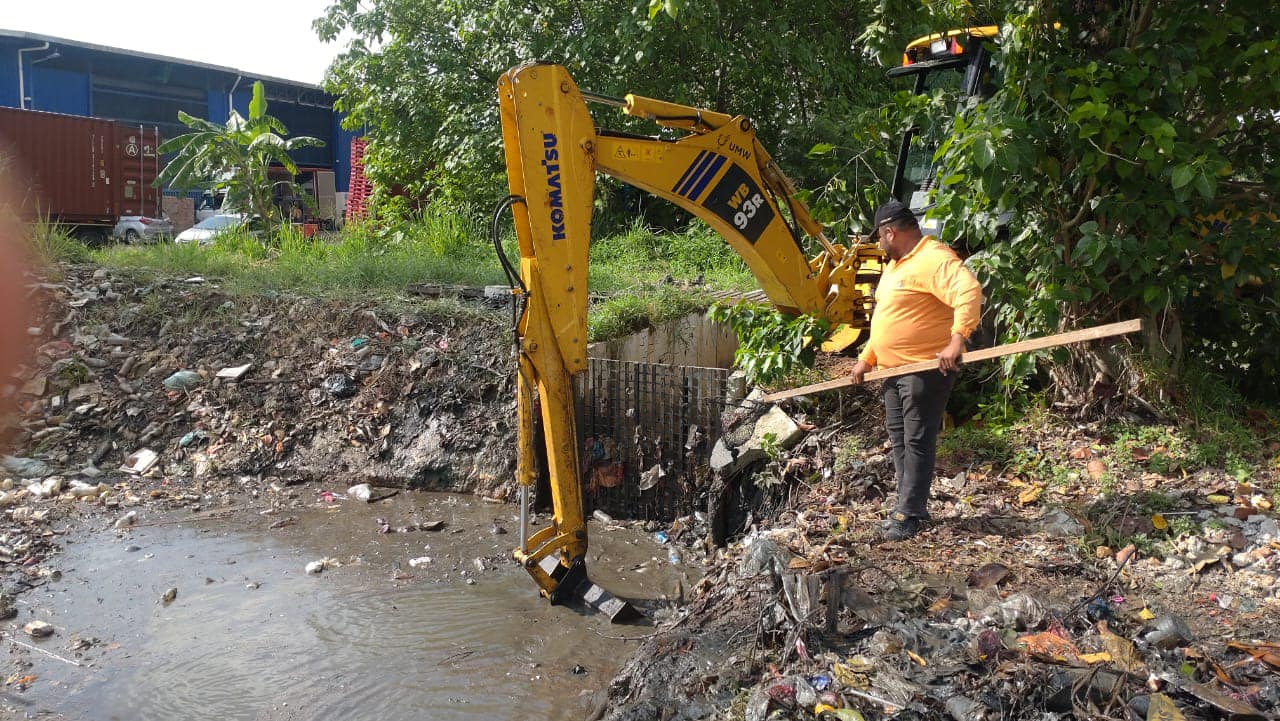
(124, 86)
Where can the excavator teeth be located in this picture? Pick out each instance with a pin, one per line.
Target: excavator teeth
(573, 586)
(606, 603)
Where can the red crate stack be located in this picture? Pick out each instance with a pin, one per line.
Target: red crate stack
(360, 188)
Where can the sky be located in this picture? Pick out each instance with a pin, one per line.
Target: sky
(267, 37)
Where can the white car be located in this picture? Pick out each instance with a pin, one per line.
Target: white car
(208, 230)
(133, 228)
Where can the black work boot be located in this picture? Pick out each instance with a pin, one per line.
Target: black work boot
(900, 527)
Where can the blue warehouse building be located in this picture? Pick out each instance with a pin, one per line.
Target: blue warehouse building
(38, 72)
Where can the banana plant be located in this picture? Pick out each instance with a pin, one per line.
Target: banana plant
(235, 158)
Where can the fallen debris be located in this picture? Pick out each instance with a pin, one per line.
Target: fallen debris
(38, 629)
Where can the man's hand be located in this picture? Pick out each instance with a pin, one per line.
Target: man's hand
(859, 370)
(949, 357)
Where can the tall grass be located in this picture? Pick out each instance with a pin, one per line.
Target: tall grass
(639, 266)
(642, 255)
(51, 243)
(439, 246)
(628, 313)
(436, 249)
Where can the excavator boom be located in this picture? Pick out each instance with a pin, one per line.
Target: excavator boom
(718, 171)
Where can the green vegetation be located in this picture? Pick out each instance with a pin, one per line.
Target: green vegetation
(418, 76)
(639, 269)
(771, 345)
(972, 443)
(1133, 149)
(1216, 428)
(51, 243)
(640, 253)
(357, 261)
(628, 313)
(236, 158)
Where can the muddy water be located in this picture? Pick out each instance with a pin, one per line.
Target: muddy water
(252, 636)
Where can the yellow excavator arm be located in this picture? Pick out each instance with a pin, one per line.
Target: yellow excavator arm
(719, 172)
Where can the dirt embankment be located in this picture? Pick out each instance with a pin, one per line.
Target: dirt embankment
(412, 394)
(1020, 601)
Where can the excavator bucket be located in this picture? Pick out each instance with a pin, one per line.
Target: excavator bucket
(573, 587)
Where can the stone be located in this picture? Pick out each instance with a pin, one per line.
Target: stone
(721, 456)
(1058, 522)
(340, 385)
(775, 425)
(38, 629)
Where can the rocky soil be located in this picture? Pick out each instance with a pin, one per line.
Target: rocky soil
(1112, 593)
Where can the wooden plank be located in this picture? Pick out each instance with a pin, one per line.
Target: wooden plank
(1025, 346)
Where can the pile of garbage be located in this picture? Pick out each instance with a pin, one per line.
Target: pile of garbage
(178, 380)
(851, 640)
(1020, 601)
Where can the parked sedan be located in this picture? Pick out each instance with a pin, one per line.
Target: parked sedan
(208, 230)
(133, 228)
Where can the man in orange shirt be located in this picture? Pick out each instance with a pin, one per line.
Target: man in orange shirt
(927, 304)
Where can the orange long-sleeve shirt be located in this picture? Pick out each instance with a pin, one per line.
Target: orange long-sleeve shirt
(922, 299)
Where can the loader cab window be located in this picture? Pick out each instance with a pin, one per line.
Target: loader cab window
(916, 171)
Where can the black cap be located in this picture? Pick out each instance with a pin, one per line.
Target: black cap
(891, 212)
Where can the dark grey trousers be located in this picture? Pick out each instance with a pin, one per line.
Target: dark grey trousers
(913, 408)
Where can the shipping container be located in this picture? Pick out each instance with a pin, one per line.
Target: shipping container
(82, 172)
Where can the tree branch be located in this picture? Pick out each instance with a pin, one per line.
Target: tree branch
(1089, 185)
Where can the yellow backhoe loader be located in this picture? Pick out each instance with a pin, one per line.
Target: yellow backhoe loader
(716, 170)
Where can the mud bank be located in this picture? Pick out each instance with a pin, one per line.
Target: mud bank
(276, 388)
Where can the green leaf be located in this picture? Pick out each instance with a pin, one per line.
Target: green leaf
(1182, 175)
(655, 7)
(983, 155)
(821, 149)
(258, 105)
(1204, 184)
(673, 7)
